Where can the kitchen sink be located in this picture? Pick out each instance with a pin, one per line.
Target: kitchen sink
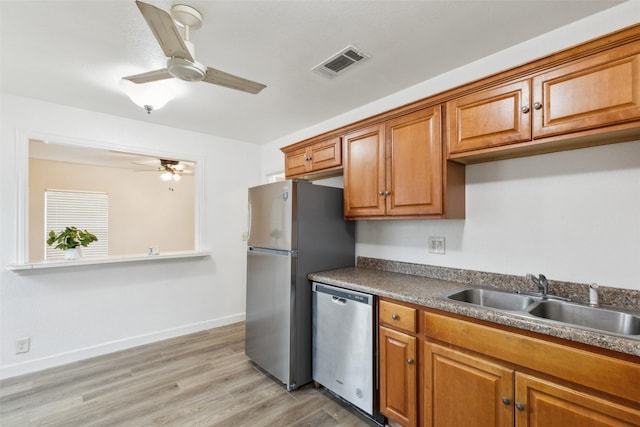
(617, 322)
(605, 319)
(493, 299)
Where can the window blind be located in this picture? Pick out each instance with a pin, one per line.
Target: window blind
(82, 209)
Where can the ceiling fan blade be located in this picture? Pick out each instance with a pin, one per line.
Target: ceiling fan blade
(150, 76)
(221, 78)
(165, 31)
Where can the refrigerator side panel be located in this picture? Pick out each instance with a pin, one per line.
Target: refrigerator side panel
(325, 241)
(270, 215)
(269, 311)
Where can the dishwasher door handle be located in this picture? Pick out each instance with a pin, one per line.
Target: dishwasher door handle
(338, 300)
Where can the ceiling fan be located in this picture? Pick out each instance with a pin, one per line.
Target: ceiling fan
(181, 62)
(170, 169)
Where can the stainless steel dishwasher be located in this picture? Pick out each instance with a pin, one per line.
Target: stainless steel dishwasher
(343, 344)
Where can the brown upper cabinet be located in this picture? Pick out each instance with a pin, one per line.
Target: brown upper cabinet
(395, 169)
(319, 156)
(491, 118)
(408, 163)
(568, 106)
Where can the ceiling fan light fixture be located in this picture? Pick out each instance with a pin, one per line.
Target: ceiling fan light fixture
(150, 96)
(166, 176)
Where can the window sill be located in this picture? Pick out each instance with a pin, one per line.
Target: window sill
(110, 260)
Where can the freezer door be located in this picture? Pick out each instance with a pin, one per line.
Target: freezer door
(269, 308)
(270, 215)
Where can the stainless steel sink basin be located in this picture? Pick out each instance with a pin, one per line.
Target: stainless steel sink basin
(493, 299)
(617, 322)
(605, 319)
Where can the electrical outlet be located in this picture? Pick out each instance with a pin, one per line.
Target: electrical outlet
(436, 245)
(22, 345)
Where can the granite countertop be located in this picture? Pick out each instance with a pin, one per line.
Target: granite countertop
(424, 291)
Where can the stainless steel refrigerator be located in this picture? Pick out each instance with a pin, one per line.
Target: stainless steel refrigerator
(295, 228)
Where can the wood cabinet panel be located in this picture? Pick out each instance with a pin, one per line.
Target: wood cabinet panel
(567, 106)
(398, 316)
(544, 403)
(398, 376)
(396, 169)
(364, 177)
(313, 158)
(607, 374)
(490, 118)
(326, 154)
(413, 145)
(295, 162)
(598, 91)
(462, 390)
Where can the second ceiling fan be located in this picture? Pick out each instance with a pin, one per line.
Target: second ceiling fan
(181, 61)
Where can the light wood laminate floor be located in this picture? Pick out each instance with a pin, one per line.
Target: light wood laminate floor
(201, 379)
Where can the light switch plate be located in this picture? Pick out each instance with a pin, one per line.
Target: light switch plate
(436, 245)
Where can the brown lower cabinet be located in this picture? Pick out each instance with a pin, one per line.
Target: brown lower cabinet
(463, 390)
(471, 373)
(398, 376)
(398, 361)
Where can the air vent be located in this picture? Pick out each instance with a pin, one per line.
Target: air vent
(341, 61)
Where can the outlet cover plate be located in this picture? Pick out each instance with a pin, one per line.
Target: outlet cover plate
(436, 245)
(22, 345)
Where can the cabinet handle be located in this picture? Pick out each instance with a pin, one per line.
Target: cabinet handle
(525, 109)
(410, 361)
(387, 193)
(537, 105)
(519, 406)
(380, 193)
(506, 401)
(395, 316)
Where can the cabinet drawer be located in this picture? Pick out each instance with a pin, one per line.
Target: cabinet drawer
(398, 316)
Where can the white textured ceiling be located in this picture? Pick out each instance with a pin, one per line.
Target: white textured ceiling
(74, 53)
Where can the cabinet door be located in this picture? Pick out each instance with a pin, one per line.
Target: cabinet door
(414, 164)
(490, 118)
(598, 91)
(542, 403)
(295, 162)
(313, 158)
(463, 390)
(398, 377)
(326, 154)
(364, 183)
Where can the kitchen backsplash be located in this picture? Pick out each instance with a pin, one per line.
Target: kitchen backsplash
(579, 292)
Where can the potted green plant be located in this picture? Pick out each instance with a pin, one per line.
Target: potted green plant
(70, 240)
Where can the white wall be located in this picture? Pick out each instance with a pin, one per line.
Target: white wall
(573, 215)
(74, 313)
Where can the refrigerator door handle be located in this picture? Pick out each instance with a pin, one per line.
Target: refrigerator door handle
(249, 221)
(282, 252)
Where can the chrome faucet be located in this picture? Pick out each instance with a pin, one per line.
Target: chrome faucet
(543, 288)
(541, 283)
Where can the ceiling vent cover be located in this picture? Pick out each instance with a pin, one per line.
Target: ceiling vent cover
(342, 60)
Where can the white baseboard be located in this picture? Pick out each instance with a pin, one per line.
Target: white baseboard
(112, 346)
